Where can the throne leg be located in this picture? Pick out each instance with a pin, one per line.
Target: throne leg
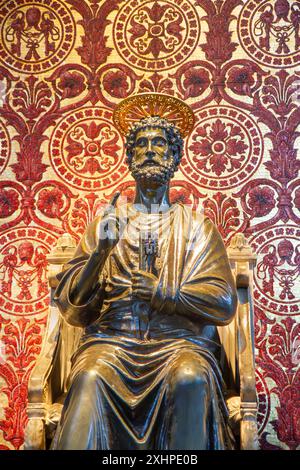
(35, 435)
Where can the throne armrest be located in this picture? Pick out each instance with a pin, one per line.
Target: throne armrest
(243, 261)
(43, 385)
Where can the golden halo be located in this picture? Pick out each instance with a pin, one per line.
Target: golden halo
(137, 107)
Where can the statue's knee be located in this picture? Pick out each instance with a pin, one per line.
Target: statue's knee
(190, 374)
(87, 378)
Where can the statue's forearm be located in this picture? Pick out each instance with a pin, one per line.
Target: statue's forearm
(213, 304)
(87, 280)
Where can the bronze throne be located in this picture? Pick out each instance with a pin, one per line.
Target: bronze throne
(49, 378)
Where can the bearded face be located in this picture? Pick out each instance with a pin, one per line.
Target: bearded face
(152, 162)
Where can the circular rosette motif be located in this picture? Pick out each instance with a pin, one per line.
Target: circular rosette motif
(269, 32)
(4, 146)
(151, 35)
(9, 202)
(224, 150)
(261, 200)
(87, 151)
(35, 36)
(23, 270)
(277, 273)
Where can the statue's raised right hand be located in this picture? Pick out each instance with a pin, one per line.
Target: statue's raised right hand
(109, 227)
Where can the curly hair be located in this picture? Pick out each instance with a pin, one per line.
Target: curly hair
(174, 138)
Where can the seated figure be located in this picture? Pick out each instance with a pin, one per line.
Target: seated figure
(150, 282)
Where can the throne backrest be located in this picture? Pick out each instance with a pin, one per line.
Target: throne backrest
(65, 336)
(237, 338)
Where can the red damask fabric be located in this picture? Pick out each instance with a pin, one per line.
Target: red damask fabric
(64, 65)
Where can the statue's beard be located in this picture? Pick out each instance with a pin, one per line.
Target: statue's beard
(153, 174)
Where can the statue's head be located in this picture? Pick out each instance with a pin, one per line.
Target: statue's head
(154, 149)
(154, 144)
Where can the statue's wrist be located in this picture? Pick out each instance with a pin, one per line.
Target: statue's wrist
(153, 302)
(161, 302)
(100, 253)
(156, 300)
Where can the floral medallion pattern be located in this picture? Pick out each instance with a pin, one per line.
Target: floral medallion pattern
(156, 35)
(278, 270)
(269, 32)
(23, 271)
(36, 36)
(86, 149)
(225, 148)
(64, 66)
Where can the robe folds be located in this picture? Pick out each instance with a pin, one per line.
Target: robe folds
(145, 372)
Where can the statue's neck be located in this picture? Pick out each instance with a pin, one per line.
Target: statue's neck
(152, 199)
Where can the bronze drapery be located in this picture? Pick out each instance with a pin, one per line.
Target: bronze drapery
(138, 362)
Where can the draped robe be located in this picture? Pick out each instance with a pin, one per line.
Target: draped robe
(124, 391)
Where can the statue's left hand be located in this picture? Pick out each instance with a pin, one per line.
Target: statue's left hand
(143, 284)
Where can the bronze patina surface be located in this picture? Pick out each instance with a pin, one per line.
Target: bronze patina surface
(150, 282)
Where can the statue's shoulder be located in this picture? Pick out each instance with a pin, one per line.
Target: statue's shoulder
(198, 220)
(196, 213)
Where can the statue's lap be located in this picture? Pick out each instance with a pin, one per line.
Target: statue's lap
(125, 369)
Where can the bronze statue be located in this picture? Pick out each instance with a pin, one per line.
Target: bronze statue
(150, 281)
